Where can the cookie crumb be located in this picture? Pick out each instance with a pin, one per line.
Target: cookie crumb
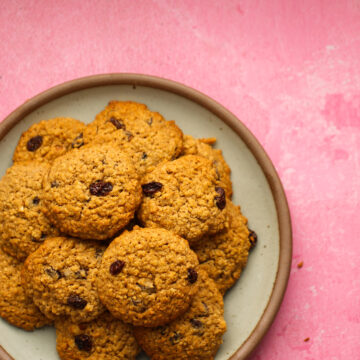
(300, 264)
(209, 141)
(307, 339)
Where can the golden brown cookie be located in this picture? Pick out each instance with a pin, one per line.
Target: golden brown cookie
(104, 338)
(147, 276)
(23, 226)
(49, 139)
(224, 255)
(15, 306)
(184, 196)
(92, 193)
(195, 335)
(60, 278)
(145, 135)
(201, 147)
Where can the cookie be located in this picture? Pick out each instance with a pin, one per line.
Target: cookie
(195, 335)
(145, 135)
(15, 306)
(60, 278)
(201, 147)
(147, 276)
(23, 226)
(184, 196)
(49, 139)
(104, 338)
(92, 193)
(224, 255)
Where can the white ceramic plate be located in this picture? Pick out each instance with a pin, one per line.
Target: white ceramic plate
(252, 303)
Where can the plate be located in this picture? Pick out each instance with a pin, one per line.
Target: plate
(251, 305)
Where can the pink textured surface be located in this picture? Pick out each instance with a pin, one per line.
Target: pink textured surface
(289, 69)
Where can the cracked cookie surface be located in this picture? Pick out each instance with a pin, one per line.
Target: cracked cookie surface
(49, 139)
(184, 196)
(104, 338)
(60, 278)
(195, 335)
(148, 276)
(145, 135)
(23, 226)
(92, 193)
(201, 147)
(224, 255)
(15, 306)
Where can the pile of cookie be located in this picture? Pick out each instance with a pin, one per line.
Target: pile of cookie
(122, 234)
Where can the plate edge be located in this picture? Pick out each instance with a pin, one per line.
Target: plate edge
(4, 355)
(283, 213)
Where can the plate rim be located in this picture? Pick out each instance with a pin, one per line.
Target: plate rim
(277, 190)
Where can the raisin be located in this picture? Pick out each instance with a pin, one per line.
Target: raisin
(78, 141)
(76, 302)
(100, 188)
(175, 338)
(129, 134)
(82, 273)
(206, 313)
(34, 143)
(162, 330)
(53, 273)
(220, 199)
(151, 188)
(54, 184)
(192, 276)
(83, 342)
(117, 123)
(252, 238)
(220, 276)
(83, 326)
(116, 267)
(144, 155)
(197, 324)
(36, 200)
(150, 121)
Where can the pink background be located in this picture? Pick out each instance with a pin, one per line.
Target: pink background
(289, 69)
